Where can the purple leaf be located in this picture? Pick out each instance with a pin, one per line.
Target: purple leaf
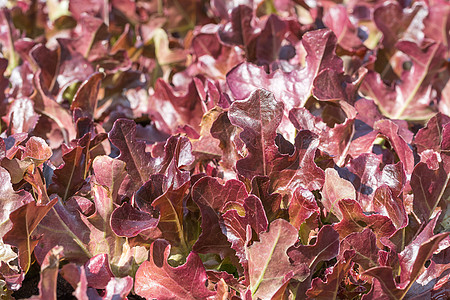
(394, 22)
(213, 198)
(37, 150)
(22, 116)
(209, 191)
(430, 136)
(98, 272)
(335, 189)
(206, 44)
(127, 221)
(325, 248)
(240, 31)
(86, 96)
(364, 244)
(49, 274)
(25, 219)
(81, 204)
(433, 281)
(46, 105)
(301, 206)
(259, 117)
(354, 220)
(271, 201)
(152, 189)
(36, 178)
(66, 228)
(91, 39)
(437, 22)
(90, 7)
(383, 285)
(410, 256)
(411, 98)
(269, 40)
(110, 173)
(294, 88)
(73, 66)
(385, 274)
(269, 266)
(86, 236)
(329, 289)
(211, 239)
(335, 141)
(139, 164)
(178, 154)
(156, 278)
(337, 19)
(331, 85)
(389, 205)
(227, 134)
(48, 67)
(119, 288)
(299, 170)
(235, 226)
(177, 110)
(365, 175)
(430, 189)
(255, 215)
(3, 84)
(70, 177)
(405, 154)
(170, 207)
(81, 279)
(10, 201)
(101, 237)
(81, 287)
(206, 147)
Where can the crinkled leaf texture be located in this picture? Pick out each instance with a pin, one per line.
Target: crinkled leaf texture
(412, 261)
(325, 248)
(213, 199)
(293, 88)
(329, 288)
(259, 117)
(302, 206)
(155, 278)
(411, 97)
(274, 157)
(299, 169)
(364, 245)
(128, 221)
(237, 228)
(139, 164)
(354, 220)
(268, 262)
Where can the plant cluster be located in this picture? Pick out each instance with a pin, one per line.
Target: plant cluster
(252, 149)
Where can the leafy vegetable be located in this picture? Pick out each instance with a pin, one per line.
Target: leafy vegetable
(214, 149)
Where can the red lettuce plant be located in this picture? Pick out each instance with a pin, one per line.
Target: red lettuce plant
(218, 149)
